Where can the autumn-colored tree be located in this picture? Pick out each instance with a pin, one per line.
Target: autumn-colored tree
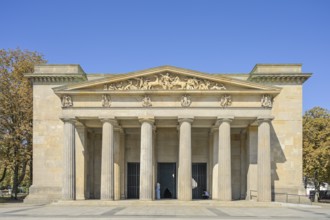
(16, 114)
(316, 146)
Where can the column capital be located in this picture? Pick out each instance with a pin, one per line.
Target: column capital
(79, 124)
(148, 119)
(243, 132)
(214, 129)
(119, 129)
(189, 119)
(221, 119)
(112, 120)
(68, 119)
(262, 119)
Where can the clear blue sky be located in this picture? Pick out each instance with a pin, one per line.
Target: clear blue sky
(210, 36)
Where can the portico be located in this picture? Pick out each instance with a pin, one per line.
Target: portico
(116, 137)
(149, 130)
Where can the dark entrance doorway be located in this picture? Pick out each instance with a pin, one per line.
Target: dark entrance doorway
(133, 180)
(166, 177)
(199, 179)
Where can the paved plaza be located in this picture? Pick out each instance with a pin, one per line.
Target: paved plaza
(163, 210)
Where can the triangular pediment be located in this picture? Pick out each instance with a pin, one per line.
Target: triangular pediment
(165, 78)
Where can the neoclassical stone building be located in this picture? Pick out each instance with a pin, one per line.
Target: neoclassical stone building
(115, 136)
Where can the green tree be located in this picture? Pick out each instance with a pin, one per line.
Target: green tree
(316, 146)
(16, 115)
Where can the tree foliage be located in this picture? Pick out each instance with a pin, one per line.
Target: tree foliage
(316, 146)
(16, 114)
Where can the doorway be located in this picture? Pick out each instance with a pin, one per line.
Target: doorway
(199, 179)
(133, 180)
(166, 177)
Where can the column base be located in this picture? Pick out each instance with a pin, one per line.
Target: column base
(146, 199)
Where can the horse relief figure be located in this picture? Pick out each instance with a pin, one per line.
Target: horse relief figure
(178, 82)
(154, 83)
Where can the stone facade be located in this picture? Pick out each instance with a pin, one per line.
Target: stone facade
(113, 137)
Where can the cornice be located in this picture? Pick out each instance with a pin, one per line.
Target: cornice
(47, 78)
(167, 92)
(164, 69)
(279, 78)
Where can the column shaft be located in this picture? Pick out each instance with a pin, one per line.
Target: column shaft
(91, 173)
(224, 158)
(243, 164)
(81, 161)
(122, 166)
(215, 164)
(117, 166)
(146, 166)
(107, 177)
(185, 166)
(264, 167)
(69, 161)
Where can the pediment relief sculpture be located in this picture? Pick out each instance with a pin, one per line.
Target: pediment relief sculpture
(165, 81)
(66, 101)
(267, 101)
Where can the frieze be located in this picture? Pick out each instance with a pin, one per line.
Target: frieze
(167, 81)
(106, 100)
(66, 101)
(185, 101)
(267, 101)
(225, 101)
(146, 101)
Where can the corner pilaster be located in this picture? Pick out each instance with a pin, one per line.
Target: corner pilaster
(69, 160)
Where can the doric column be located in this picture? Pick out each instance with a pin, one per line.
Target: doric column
(264, 167)
(146, 155)
(81, 160)
(69, 162)
(107, 174)
(91, 151)
(184, 171)
(243, 163)
(251, 159)
(122, 165)
(224, 158)
(117, 164)
(154, 162)
(215, 171)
